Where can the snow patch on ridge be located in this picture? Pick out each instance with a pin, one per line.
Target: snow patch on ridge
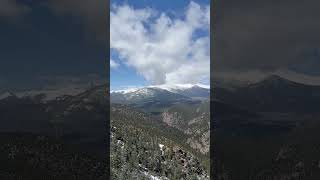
(6, 94)
(168, 87)
(125, 91)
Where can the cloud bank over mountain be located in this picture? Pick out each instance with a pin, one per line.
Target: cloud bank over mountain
(262, 37)
(56, 38)
(162, 48)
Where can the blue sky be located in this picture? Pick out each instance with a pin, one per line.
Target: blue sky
(142, 56)
(161, 5)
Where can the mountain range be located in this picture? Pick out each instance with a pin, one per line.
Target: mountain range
(266, 130)
(73, 118)
(274, 94)
(176, 118)
(160, 96)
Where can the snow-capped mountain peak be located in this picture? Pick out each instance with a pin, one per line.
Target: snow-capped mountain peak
(175, 87)
(169, 87)
(161, 93)
(6, 94)
(125, 91)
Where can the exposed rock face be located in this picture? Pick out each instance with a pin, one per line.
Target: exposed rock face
(193, 121)
(201, 144)
(169, 118)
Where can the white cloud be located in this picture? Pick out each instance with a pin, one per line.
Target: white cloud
(113, 64)
(162, 49)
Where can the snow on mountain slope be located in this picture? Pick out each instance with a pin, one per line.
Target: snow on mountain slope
(177, 87)
(6, 94)
(169, 87)
(161, 93)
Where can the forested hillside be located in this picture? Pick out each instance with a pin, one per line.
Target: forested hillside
(142, 148)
